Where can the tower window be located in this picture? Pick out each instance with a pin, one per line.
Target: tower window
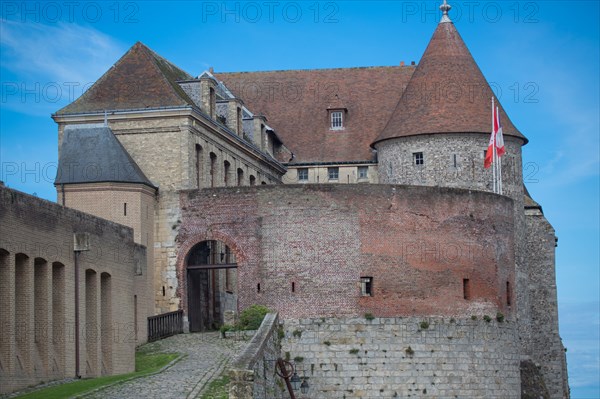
(302, 174)
(363, 172)
(125, 209)
(508, 298)
(366, 286)
(333, 173)
(337, 121)
(418, 158)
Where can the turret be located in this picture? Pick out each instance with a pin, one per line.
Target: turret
(441, 126)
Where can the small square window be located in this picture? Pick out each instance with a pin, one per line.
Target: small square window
(333, 173)
(363, 172)
(337, 122)
(418, 158)
(302, 174)
(366, 286)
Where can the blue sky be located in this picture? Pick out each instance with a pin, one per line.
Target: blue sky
(542, 58)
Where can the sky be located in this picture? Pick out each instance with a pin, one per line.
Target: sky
(540, 57)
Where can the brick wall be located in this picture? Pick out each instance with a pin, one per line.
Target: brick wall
(37, 301)
(418, 244)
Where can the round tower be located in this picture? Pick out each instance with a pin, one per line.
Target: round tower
(438, 136)
(440, 129)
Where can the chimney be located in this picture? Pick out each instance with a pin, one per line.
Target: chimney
(401, 63)
(234, 115)
(209, 96)
(412, 63)
(260, 122)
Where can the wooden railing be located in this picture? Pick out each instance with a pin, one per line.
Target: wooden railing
(164, 325)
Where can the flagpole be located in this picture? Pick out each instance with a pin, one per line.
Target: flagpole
(500, 191)
(494, 176)
(500, 174)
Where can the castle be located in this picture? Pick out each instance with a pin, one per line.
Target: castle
(329, 195)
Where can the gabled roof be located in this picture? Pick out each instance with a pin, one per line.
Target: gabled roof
(140, 79)
(92, 154)
(296, 104)
(446, 94)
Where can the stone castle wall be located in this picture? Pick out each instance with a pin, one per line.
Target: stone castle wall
(253, 371)
(547, 348)
(456, 160)
(405, 358)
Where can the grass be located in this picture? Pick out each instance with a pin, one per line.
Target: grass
(217, 389)
(145, 363)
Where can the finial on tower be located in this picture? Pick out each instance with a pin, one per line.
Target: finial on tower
(445, 8)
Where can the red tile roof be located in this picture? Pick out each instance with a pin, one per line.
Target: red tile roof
(446, 94)
(140, 79)
(296, 105)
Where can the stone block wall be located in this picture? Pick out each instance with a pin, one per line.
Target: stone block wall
(37, 302)
(252, 372)
(375, 358)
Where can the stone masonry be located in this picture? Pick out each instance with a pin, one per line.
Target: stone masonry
(413, 357)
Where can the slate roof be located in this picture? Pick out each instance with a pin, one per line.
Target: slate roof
(296, 105)
(140, 79)
(446, 94)
(92, 154)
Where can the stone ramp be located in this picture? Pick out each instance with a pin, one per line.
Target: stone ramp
(207, 355)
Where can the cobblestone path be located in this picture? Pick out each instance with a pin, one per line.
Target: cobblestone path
(207, 356)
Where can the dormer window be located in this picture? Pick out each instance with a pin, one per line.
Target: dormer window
(337, 120)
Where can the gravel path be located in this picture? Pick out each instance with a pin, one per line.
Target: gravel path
(207, 357)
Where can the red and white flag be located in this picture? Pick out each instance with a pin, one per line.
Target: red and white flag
(496, 139)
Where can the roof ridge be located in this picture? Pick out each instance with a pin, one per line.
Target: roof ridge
(318, 69)
(132, 82)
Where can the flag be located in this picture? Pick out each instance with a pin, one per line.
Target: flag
(500, 150)
(489, 154)
(496, 139)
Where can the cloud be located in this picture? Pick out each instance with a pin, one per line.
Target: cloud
(50, 65)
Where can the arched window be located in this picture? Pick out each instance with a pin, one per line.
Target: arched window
(198, 166)
(226, 171)
(240, 177)
(213, 169)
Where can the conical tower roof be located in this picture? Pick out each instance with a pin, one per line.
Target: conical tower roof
(446, 94)
(140, 79)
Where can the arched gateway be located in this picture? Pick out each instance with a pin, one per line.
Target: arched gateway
(211, 284)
